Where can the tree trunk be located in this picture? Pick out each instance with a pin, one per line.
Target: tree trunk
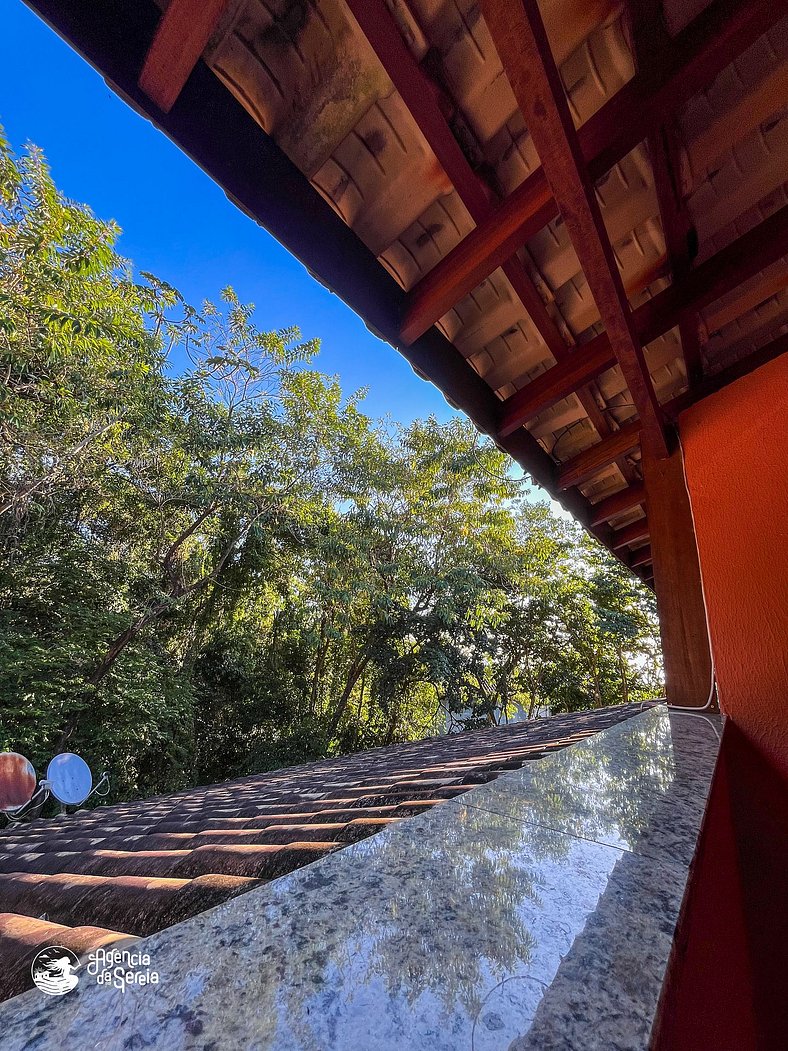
(623, 669)
(319, 664)
(355, 673)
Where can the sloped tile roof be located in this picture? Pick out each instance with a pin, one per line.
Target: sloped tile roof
(95, 877)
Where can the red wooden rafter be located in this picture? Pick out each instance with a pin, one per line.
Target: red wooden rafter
(185, 29)
(420, 95)
(630, 534)
(696, 55)
(520, 37)
(617, 504)
(652, 46)
(716, 276)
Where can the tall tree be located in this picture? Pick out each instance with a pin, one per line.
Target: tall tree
(207, 572)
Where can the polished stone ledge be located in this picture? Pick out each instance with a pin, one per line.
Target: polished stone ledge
(535, 912)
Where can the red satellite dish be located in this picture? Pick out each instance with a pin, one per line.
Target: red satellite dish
(17, 781)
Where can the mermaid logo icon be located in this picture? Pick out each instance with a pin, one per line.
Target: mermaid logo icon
(53, 970)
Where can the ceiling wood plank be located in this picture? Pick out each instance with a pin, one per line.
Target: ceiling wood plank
(618, 503)
(582, 365)
(737, 262)
(630, 534)
(641, 557)
(182, 36)
(705, 47)
(587, 463)
(520, 37)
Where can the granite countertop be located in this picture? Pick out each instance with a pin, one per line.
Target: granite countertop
(535, 912)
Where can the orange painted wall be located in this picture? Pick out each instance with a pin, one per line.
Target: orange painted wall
(736, 463)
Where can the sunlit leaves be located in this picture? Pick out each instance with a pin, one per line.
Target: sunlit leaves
(208, 573)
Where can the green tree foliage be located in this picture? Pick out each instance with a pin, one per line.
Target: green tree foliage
(233, 568)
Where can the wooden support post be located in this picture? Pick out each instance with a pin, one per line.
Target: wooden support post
(682, 617)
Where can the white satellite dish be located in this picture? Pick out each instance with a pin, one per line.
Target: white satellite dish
(17, 782)
(69, 779)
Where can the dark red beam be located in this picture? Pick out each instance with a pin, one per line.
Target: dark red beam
(718, 380)
(582, 364)
(181, 37)
(697, 54)
(487, 247)
(739, 261)
(641, 557)
(520, 37)
(653, 47)
(419, 95)
(587, 463)
(618, 503)
(631, 534)
(422, 97)
(717, 36)
(733, 265)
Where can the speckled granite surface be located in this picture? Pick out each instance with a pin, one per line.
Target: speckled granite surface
(537, 912)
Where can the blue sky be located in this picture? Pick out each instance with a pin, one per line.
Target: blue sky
(176, 222)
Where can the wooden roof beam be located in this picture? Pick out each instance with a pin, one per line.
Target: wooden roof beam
(522, 215)
(587, 463)
(582, 365)
(519, 34)
(706, 46)
(420, 96)
(718, 380)
(631, 534)
(181, 37)
(641, 557)
(652, 46)
(718, 275)
(618, 504)
(690, 61)
(592, 460)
